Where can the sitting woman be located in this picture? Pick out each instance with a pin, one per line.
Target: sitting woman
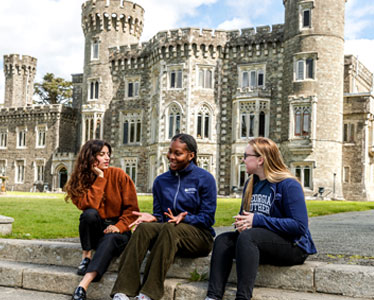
(184, 205)
(107, 197)
(271, 227)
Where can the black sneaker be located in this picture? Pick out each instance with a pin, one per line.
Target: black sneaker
(82, 268)
(79, 294)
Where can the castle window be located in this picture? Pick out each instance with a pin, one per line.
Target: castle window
(130, 167)
(261, 128)
(306, 18)
(303, 172)
(304, 69)
(3, 138)
(21, 137)
(41, 136)
(203, 123)
(175, 78)
(205, 79)
(253, 116)
(2, 167)
(302, 121)
(132, 89)
(92, 128)
(95, 50)
(174, 121)
(132, 128)
(204, 162)
(39, 171)
(94, 90)
(349, 133)
(20, 171)
(252, 76)
(247, 125)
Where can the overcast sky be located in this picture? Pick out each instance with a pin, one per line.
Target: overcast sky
(50, 30)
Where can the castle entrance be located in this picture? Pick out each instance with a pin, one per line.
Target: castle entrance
(62, 177)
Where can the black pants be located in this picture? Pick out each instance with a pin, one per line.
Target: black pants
(250, 248)
(107, 246)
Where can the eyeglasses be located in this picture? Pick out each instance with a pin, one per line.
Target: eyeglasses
(246, 155)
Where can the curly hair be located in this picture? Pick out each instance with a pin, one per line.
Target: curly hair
(83, 177)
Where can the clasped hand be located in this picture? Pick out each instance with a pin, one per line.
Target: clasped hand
(243, 221)
(148, 218)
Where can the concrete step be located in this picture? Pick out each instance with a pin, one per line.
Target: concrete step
(20, 258)
(33, 281)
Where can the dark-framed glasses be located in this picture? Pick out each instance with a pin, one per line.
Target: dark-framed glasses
(246, 155)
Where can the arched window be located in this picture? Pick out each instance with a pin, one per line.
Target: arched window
(132, 128)
(174, 121)
(302, 121)
(203, 123)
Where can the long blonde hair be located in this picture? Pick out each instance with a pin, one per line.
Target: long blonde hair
(275, 169)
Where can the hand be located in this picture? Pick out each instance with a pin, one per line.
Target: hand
(98, 171)
(142, 218)
(111, 229)
(175, 219)
(243, 221)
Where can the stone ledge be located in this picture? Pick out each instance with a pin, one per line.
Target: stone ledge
(6, 225)
(348, 280)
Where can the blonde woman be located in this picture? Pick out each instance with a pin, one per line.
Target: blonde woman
(271, 227)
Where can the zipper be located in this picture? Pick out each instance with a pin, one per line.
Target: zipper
(176, 194)
(272, 204)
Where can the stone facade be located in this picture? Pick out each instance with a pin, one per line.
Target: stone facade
(290, 82)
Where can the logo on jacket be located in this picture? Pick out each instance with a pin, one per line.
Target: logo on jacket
(190, 190)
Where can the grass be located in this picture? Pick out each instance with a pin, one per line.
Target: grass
(47, 216)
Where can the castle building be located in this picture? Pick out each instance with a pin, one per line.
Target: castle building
(290, 82)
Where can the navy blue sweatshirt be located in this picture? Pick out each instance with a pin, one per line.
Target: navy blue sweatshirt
(288, 214)
(193, 190)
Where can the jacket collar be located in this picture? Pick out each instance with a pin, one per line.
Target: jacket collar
(185, 171)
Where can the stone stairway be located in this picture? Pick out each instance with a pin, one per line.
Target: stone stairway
(50, 266)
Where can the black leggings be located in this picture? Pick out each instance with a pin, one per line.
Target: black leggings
(250, 248)
(107, 246)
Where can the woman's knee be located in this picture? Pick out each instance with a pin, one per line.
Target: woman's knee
(252, 235)
(90, 215)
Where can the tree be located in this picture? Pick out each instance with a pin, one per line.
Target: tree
(53, 90)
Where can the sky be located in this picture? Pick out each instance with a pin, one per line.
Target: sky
(50, 30)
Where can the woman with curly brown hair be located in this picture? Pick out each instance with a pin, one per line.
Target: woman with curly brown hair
(107, 197)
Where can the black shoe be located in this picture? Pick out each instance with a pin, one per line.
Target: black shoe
(79, 294)
(82, 268)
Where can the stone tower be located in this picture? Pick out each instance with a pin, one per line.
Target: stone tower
(106, 24)
(313, 90)
(19, 74)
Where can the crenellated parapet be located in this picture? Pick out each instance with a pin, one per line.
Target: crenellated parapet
(205, 43)
(112, 15)
(37, 112)
(15, 64)
(255, 41)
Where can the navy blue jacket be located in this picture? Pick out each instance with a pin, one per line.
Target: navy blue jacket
(193, 190)
(288, 214)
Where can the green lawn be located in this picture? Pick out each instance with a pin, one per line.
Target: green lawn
(47, 216)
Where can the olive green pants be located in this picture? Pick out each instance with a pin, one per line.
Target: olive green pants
(164, 240)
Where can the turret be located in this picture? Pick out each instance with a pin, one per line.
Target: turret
(19, 74)
(313, 91)
(105, 24)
